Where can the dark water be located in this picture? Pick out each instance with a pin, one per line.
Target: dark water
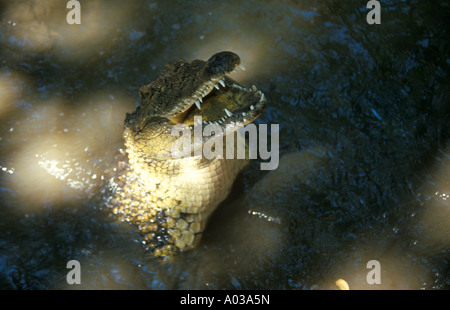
(364, 141)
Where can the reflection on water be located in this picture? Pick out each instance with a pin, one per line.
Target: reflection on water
(58, 144)
(41, 27)
(8, 89)
(363, 113)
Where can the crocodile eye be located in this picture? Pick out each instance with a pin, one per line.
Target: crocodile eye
(223, 62)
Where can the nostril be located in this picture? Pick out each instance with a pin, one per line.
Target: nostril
(223, 62)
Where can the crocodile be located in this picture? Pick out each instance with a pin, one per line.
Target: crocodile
(169, 200)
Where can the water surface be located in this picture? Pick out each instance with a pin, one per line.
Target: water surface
(364, 126)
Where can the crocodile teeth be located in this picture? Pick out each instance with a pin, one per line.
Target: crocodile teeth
(262, 96)
(254, 88)
(197, 103)
(216, 86)
(252, 107)
(200, 99)
(222, 83)
(228, 112)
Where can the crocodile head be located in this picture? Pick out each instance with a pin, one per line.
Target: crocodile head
(185, 90)
(170, 199)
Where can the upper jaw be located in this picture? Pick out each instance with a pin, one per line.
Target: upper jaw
(199, 94)
(216, 79)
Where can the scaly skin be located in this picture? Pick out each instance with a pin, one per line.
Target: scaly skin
(169, 200)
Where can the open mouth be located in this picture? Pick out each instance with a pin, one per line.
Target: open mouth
(221, 101)
(230, 106)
